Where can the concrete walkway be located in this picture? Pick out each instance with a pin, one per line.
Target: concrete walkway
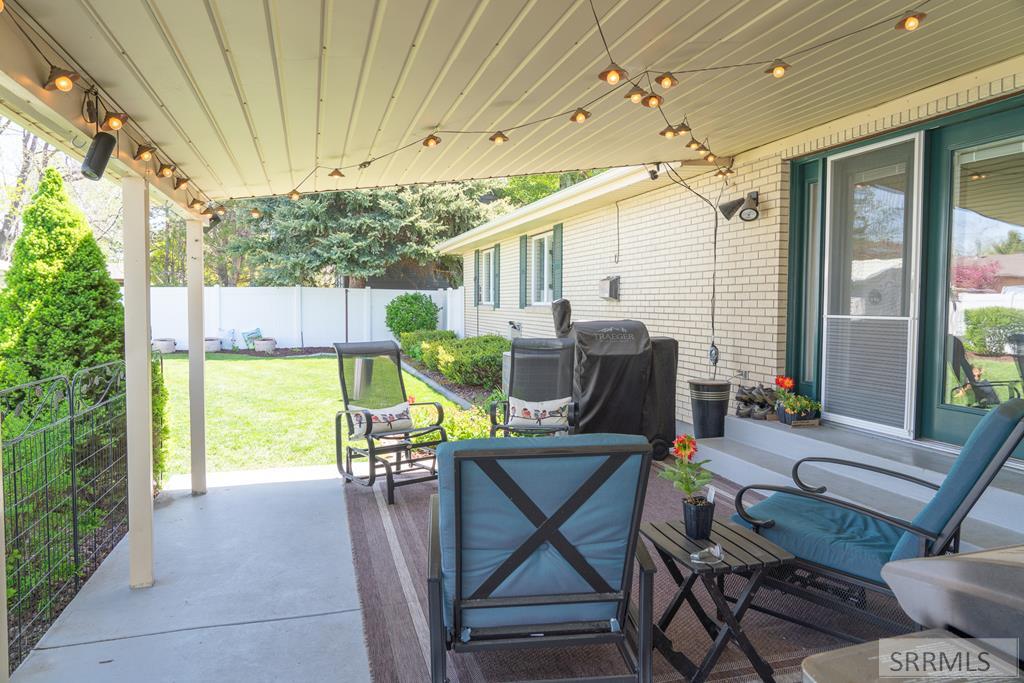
(254, 582)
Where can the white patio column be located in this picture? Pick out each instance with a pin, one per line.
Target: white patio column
(196, 354)
(5, 655)
(137, 357)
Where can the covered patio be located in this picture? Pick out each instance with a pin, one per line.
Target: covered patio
(251, 577)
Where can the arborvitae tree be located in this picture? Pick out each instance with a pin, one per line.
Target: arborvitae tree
(60, 311)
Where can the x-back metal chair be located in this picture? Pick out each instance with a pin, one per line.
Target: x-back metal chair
(539, 389)
(377, 409)
(841, 547)
(984, 390)
(532, 542)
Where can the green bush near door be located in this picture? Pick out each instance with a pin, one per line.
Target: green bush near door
(989, 329)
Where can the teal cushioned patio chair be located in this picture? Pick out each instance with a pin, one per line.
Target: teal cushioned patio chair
(842, 544)
(532, 542)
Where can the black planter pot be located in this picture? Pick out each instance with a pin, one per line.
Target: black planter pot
(790, 418)
(709, 399)
(698, 518)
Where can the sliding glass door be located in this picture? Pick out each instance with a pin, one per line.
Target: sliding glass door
(872, 257)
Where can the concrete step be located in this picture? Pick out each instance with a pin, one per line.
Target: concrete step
(747, 464)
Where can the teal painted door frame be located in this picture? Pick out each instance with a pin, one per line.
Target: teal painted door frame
(808, 183)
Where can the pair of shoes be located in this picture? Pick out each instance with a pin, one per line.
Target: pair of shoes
(744, 409)
(761, 413)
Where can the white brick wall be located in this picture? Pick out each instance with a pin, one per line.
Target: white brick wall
(665, 236)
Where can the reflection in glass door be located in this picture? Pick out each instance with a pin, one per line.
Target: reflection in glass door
(871, 303)
(984, 347)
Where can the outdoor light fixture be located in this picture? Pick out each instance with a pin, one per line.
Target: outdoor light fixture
(195, 204)
(365, 164)
(180, 183)
(61, 79)
(667, 80)
(114, 120)
(747, 208)
(778, 68)
(96, 158)
(702, 149)
(612, 74)
(978, 176)
(668, 132)
(221, 210)
(693, 144)
(580, 115)
(431, 141)
(911, 22)
(336, 173)
(165, 171)
(683, 128)
(635, 95)
(653, 100)
(499, 138)
(256, 213)
(653, 172)
(710, 156)
(143, 153)
(206, 212)
(294, 195)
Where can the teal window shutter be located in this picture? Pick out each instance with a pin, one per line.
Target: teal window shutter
(476, 277)
(496, 274)
(523, 275)
(556, 262)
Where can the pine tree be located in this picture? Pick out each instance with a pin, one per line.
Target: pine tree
(60, 311)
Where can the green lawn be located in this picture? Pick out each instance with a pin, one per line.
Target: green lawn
(263, 412)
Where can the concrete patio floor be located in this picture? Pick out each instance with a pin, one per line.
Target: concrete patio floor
(254, 582)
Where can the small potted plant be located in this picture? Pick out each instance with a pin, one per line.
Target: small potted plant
(799, 411)
(691, 477)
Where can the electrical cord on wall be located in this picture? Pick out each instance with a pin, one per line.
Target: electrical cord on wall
(678, 180)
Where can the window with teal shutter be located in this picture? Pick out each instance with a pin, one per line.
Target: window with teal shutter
(496, 294)
(556, 261)
(523, 276)
(476, 277)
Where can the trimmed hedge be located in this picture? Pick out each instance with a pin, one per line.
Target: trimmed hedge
(411, 342)
(475, 361)
(410, 312)
(989, 328)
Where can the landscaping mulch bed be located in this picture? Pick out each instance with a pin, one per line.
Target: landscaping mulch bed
(475, 395)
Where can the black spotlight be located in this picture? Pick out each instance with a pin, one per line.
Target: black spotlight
(96, 158)
(730, 208)
(746, 206)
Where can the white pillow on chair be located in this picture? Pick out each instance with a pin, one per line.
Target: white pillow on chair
(553, 413)
(395, 418)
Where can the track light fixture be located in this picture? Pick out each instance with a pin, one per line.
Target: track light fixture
(667, 80)
(114, 120)
(653, 100)
(61, 79)
(668, 132)
(778, 68)
(911, 22)
(612, 74)
(431, 141)
(579, 116)
(165, 171)
(256, 213)
(636, 94)
(499, 138)
(294, 195)
(336, 173)
(143, 153)
(180, 183)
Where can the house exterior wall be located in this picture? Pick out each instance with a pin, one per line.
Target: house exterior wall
(659, 243)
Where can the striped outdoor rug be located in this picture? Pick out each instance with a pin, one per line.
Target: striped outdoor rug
(390, 554)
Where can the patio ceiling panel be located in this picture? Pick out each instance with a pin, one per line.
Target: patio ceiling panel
(237, 90)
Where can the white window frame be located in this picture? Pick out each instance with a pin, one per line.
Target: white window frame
(487, 276)
(548, 270)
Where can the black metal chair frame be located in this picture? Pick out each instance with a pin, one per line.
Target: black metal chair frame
(634, 639)
(964, 373)
(509, 430)
(844, 592)
(399, 443)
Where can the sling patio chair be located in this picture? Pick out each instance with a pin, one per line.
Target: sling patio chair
(377, 409)
(539, 389)
(531, 544)
(841, 547)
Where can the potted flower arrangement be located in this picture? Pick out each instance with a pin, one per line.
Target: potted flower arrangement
(690, 477)
(799, 411)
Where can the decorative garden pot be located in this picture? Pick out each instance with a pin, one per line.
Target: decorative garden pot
(211, 344)
(811, 418)
(709, 400)
(164, 345)
(698, 518)
(265, 344)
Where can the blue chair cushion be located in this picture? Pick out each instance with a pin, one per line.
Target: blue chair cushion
(827, 534)
(977, 453)
(492, 527)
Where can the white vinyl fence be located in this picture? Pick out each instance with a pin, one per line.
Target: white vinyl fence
(295, 316)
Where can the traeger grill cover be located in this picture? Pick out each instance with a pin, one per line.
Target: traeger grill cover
(613, 368)
(561, 311)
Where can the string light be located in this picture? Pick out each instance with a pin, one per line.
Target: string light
(114, 120)
(143, 153)
(195, 204)
(636, 94)
(336, 173)
(579, 116)
(693, 143)
(294, 195)
(61, 79)
(365, 164)
(256, 213)
(221, 210)
(180, 183)
(206, 212)
(668, 132)
(165, 171)
(431, 141)
(612, 74)
(683, 128)
(667, 80)
(653, 100)
(709, 156)
(499, 138)
(778, 68)
(911, 22)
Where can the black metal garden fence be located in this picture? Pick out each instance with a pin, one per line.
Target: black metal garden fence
(65, 491)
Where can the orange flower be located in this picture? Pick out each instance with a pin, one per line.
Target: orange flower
(784, 382)
(684, 447)
(410, 398)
